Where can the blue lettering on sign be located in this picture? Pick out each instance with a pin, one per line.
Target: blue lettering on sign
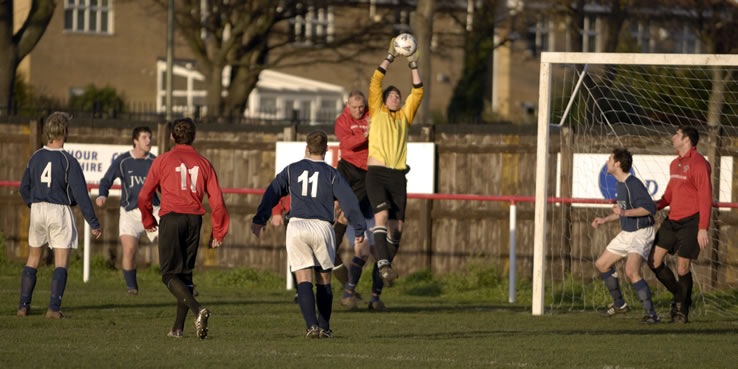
(652, 187)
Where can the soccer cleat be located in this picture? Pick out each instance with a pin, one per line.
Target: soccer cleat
(614, 310)
(674, 309)
(388, 275)
(680, 317)
(132, 291)
(201, 323)
(295, 299)
(50, 314)
(341, 274)
(175, 333)
(650, 319)
(377, 305)
(312, 332)
(325, 333)
(350, 302)
(23, 311)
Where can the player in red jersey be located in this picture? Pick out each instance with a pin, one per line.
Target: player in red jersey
(183, 176)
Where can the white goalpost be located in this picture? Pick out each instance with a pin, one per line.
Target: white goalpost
(590, 103)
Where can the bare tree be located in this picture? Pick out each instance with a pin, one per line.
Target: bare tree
(253, 35)
(15, 46)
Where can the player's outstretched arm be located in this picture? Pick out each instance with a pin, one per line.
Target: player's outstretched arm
(78, 185)
(25, 187)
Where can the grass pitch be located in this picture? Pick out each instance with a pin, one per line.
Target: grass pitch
(254, 323)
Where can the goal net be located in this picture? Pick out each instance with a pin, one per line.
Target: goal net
(590, 103)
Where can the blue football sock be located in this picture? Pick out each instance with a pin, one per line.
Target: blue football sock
(644, 294)
(357, 264)
(130, 277)
(306, 300)
(611, 282)
(324, 298)
(28, 283)
(58, 283)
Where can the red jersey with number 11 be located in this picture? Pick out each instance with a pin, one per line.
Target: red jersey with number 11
(184, 176)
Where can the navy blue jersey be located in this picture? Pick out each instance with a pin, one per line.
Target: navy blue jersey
(632, 194)
(312, 186)
(132, 173)
(54, 176)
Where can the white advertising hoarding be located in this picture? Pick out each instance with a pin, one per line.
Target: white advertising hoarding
(421, 157)
(591, 180)
(96, 159)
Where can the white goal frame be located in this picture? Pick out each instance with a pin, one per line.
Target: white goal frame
(548, 60)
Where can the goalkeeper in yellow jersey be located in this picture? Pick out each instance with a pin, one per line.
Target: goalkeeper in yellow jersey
(385, 179)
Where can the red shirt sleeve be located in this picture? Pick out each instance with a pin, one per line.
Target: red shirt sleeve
(701, 179)
(219, 217)
(147, 191)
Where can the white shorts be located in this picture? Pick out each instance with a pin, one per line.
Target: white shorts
(310, 242)
(52, 224)
(636, 242)
(130, 223)
(369, 235)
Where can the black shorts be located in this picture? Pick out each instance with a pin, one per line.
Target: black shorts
(680, 236)
(356, 178)
(387, 190)
(179, 238)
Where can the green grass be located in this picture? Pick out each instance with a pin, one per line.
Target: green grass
(459, 321)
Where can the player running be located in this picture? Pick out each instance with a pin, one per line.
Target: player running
(184, 177)
(131, 167)
(635, 211)
(312, 186)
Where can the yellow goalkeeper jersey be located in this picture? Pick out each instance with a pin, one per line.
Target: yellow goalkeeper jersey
(387, 129)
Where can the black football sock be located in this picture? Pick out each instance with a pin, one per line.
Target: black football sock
(183, 294)
(666, 277)
(28, 283)
(355, 268)
(393, 244)
(130, 277)
(644, 294)
(179, 320)
(685, 286)
(611, 282)
(380, 246)
(324, 299)
(377, 283)
(306, 299)
(58, 284)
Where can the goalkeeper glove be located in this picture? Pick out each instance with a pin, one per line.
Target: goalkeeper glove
(391, 53)
(412, 60)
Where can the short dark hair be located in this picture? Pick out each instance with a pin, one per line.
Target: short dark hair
(183, 131)
(624, 157)
(317, 142)
(137, 132)
(387, 91)
(692, 133)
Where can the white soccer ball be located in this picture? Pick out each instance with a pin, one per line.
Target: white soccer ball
(405, 44)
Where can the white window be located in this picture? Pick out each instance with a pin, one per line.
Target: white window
(538, 36)
(89, 16)
(641, 33)
(685, 41)
(590, 34)
(313, 24)
(188, 88)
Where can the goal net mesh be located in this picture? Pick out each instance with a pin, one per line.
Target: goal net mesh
(595, 108)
